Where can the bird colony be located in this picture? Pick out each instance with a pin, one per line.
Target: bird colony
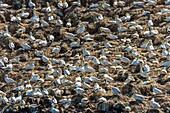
(85, 56)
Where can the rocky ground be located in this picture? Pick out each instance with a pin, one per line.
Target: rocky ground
(85, 56)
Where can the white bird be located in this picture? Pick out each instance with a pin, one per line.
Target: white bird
(108, 78)
(11, 45)
(115, 90)
(45, 92)
(94, 79)
(149, 46)
(123, 59)
(65, 4)
(76, 3)
(24, 14)
(89, 58)
(69, 35)
(135, 35)
(105, 52)
(45, 59)
(151, 55)
(128, 48)
(87, 79)
(135, 61)
(31, 4)
(5, 59)
(137, 96)
(48, 8)
(85, 85)
(56, 49)
(38, 53)
(143, 73)
(146, 67)
(59, 22)
(81, 29)
(29, 66)
(25, 45)
(150, 23)
(27, 85)
(151, 2)
(77, 84)
(107, 44)
(12, 99)
(34, 18)
(155, 104)
(2, 5)
(50, 17)
(68, 24)
(85, 51)
(100, 17)
(122, 29)
(37, 92)
(145, 13)
(94, 6)
(22, 29)
(147, 33)
(8, 67)
(105, 5)
(103, 70)
(19, 97)
(105, 63)
(138, 3)
(6, 32)
(66, 72)
(75, 44)
(60, 4)
(64, 101)
(112, 36)
(134, 53)
(31, 38)
(96, 61)
(164, 71)
(50, 37)
(156, 90)
(54, 110)
(78, 79)
(118, 20)
(166, 63)
(154, 32)
(104, 29)
(84, 101)
(79, 90)
(4, 99)
(43, 22)
(19, 88)
(15, 18)
(102, 99)
(53, 100)
(96, 87)
(34, 77)
(164, 52)
(87, 36)
(88, 68)
(43, 43)
(30, 92)
(49, 77)
(167, 19)
(9, 80)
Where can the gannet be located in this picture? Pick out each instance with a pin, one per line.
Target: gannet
(31, 4)
(154, 104)
(9, 80)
